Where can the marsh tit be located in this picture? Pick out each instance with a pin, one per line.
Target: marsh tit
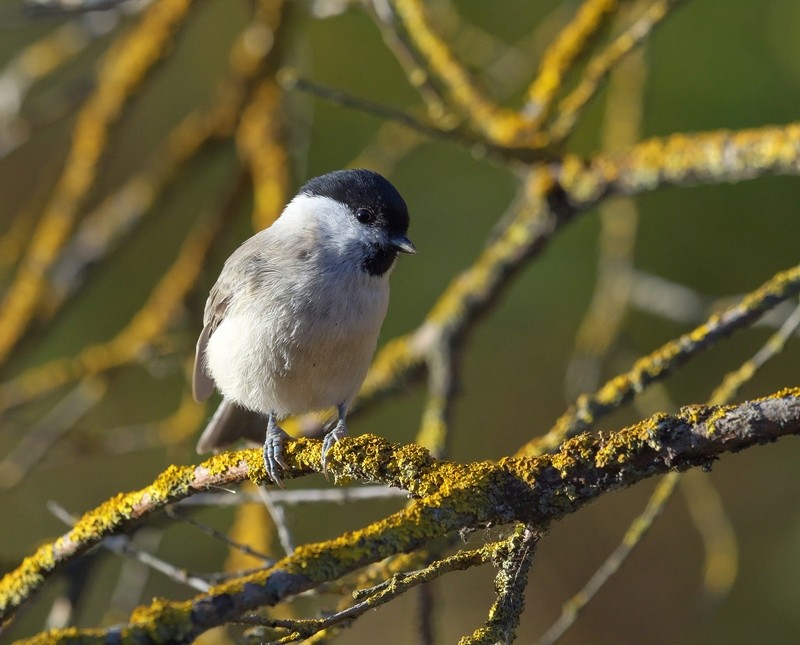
(292, 322)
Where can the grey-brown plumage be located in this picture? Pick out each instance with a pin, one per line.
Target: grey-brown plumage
(292, 322)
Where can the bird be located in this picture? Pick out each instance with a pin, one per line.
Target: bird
(292, 322)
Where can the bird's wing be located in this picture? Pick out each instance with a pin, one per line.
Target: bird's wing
(216, 306)
(251, 266)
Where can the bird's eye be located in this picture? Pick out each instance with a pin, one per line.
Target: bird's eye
(364, 216)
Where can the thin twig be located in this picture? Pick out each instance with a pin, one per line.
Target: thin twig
(290, 80)
(300, 496)
(730, 386)
(38, 439)
(175, 513)
(633, 536)
(123, 545)
(278, 516)
(571, 108)
(602, 322)
(381, 593)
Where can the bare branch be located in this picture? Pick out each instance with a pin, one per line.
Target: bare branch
(124, 545)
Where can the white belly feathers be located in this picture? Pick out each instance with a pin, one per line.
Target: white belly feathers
(257, 359)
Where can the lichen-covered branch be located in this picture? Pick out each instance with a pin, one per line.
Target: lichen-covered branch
(656, 365)
(551, 196)
(389, 589)
(703, 501)
(682, 160)
(535, 491)
(510, 583)
(559, 59)
(550, 477)
(114, 517)
(571, 107)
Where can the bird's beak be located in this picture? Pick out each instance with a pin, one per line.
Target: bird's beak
(402, 243)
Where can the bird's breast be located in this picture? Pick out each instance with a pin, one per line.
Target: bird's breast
(299, 345)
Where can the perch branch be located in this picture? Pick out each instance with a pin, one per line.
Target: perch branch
(533, 490)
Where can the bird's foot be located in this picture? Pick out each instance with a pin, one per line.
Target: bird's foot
(331, 438)
(274, 462)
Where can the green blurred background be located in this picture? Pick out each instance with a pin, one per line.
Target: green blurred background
(714, 64)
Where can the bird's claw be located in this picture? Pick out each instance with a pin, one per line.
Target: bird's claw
(339, 432)
(274, 463)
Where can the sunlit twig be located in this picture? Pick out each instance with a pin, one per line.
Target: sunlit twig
(123, 545)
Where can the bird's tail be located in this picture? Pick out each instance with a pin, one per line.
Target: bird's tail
(230, 423)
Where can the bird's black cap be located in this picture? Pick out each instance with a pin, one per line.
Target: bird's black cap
(362, 188)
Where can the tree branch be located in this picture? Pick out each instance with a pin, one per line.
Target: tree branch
(535, 491)
(658, 364)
